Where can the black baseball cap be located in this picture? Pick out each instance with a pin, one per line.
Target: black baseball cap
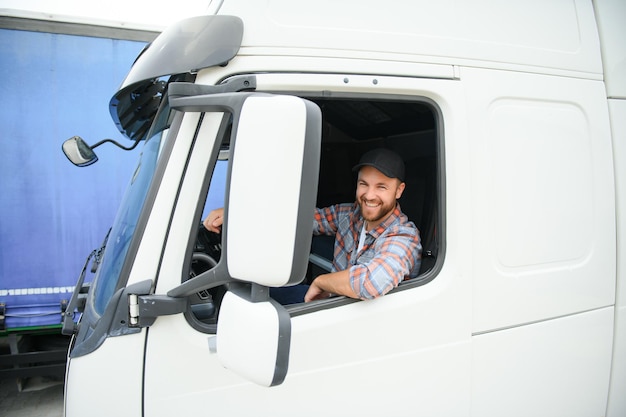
(385, 160)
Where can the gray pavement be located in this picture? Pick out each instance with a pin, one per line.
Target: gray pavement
(39, 397)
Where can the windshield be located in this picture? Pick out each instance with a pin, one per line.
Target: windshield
(125, 224)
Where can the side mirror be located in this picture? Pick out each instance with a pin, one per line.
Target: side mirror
(81, 154)
(272, 181)
(78, 152)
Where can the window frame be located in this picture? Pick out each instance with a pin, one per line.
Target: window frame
(438, 210)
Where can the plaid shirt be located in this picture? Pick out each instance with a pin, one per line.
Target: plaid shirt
(390, 253)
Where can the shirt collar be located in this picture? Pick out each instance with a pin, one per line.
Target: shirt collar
(395, 214)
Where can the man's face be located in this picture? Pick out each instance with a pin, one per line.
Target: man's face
(377, 194)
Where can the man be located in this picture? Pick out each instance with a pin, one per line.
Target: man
(376, 246)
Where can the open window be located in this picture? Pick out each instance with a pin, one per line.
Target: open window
(350, 127)
(353, 126)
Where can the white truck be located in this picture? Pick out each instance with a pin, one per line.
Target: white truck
(511, 120)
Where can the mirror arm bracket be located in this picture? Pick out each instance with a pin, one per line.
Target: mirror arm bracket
(234, 85)
(119, 145)
(144, 309)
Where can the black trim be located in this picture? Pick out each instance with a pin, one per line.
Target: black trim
(186, 267)
(225, 102)
(284, 344)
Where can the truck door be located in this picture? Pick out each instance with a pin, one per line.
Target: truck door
(412, 342)
(544, 242)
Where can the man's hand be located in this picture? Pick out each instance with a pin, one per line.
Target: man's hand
(334, 283)
(315, 293)
(214, 221)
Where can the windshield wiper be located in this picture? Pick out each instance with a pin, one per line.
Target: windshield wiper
(98, 256)
(79, 296)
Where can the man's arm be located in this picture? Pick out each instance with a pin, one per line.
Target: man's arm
(396, 255)
(333, 283)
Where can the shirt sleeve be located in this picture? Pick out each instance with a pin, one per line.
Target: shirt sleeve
(326, 220)
(396, 255)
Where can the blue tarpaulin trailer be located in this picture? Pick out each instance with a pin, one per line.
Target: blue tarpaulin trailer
(53, 214)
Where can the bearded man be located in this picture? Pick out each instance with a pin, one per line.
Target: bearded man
(376, 246)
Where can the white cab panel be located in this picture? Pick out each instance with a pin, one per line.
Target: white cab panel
(543, 197)
(617, 399)
(610, 15)
(100, 379)
(555, 368)
(154, 237)
(559, 35)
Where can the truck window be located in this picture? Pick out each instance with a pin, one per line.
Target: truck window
(351, 127)
(354, 126)
(122, 232)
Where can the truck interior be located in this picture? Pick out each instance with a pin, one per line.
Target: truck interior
(351, 127)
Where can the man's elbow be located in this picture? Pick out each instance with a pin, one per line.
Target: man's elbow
(368, 291)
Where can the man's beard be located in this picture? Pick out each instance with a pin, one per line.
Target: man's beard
(380, 212)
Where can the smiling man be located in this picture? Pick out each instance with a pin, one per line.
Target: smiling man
(376, 246)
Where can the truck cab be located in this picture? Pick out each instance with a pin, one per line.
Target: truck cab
(510, 142)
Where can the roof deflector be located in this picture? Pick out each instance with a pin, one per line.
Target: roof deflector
(185, 47)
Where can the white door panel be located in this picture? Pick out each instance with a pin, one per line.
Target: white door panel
(120, 378)
(543, 197)
(559, 367)
(336, 356)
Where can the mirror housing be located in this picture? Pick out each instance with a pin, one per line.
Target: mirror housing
(78, 152)
(254, 336)
(273, 181)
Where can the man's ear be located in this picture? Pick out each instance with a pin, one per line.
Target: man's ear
(400, 190)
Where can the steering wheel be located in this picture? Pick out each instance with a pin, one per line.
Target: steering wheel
(207, 252)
